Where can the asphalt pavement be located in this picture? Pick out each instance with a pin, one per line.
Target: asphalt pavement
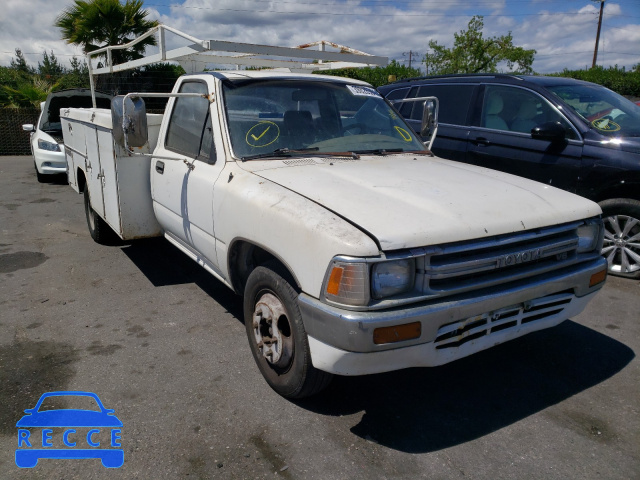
(162, 343)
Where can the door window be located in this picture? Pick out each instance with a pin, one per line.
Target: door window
(518, 110)
(189, 130)
(454, 102)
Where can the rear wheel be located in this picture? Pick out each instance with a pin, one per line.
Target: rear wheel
(98, 228)
(277, 336)
(621, 245)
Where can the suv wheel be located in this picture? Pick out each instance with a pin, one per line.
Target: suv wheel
(621, 245)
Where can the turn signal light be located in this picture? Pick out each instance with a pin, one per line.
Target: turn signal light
(397, 333)
(333, 287)
(597, 278)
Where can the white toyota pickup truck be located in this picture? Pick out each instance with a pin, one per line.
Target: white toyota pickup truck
(356, 250)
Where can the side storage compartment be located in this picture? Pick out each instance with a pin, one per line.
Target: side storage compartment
(118, 183)
(75, 149)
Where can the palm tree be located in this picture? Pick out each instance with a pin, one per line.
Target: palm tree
(26, 94)
(94, 24)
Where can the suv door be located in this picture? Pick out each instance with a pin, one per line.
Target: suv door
(501, 139)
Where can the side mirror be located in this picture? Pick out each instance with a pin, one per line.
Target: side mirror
(27, 127)
(129, 120)
(429, 125)
(550, 131)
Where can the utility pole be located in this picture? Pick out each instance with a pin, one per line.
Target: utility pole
(595, 51)
(410, 55)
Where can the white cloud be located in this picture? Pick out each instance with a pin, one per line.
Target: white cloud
(389, 30)
(29, 26)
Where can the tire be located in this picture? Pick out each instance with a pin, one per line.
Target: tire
(42, 178)
(98, 228)
(282, 354)
(621, 245)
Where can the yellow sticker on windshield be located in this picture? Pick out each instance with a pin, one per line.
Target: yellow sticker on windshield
(605, 125)
(406, 136)
(262, 134)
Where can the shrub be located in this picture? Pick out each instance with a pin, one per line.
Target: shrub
(617, 79)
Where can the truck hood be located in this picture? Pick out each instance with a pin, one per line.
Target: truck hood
(406, 201)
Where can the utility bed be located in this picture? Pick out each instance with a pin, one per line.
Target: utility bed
(118, 183)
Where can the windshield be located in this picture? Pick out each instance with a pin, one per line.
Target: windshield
(609, 113)
(281, 117)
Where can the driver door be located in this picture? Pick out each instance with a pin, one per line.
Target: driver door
(183, 179)
(501, 138)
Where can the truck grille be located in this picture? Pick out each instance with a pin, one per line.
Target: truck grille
(458, 333)
(473, 265)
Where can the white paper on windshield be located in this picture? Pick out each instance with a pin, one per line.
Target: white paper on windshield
(363, 91)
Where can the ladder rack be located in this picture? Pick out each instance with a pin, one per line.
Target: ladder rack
(199, 53)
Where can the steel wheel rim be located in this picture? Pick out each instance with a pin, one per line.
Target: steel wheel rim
(272, 330)
(621, 245)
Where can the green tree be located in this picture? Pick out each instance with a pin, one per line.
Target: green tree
(78, 67)
(472, 53)
(94, 24)
(75, 77)
(20, 64)
(376, 76)
(50, 67)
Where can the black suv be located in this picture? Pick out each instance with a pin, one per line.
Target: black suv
(571, 134)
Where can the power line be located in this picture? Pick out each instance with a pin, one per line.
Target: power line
(40, 53)
(586, 51)
(411, 14)
(383, 3)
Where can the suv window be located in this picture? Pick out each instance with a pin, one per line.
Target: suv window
(518, 110)
(189, 117)
(454, 102)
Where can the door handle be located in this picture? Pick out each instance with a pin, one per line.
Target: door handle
(481, 141)
(160, 167)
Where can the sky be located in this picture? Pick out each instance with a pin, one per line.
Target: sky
(562, 33)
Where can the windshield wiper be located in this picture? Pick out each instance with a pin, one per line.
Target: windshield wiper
(377, 151)
(280, 152)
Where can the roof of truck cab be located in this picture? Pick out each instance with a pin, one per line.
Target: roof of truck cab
(270, 74)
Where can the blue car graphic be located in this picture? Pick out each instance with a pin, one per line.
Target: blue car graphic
(27, 457)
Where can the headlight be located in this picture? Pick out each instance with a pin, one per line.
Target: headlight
(354, 281)
(392, 278)
(50, 147)
(588, 237)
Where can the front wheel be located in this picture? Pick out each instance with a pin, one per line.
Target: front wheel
(621, 245)
(42, 178)
(277, 336)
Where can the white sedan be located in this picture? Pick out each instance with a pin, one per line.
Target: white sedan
(47, 145)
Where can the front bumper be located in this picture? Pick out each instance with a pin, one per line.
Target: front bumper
(50, 163)
(341, 341)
